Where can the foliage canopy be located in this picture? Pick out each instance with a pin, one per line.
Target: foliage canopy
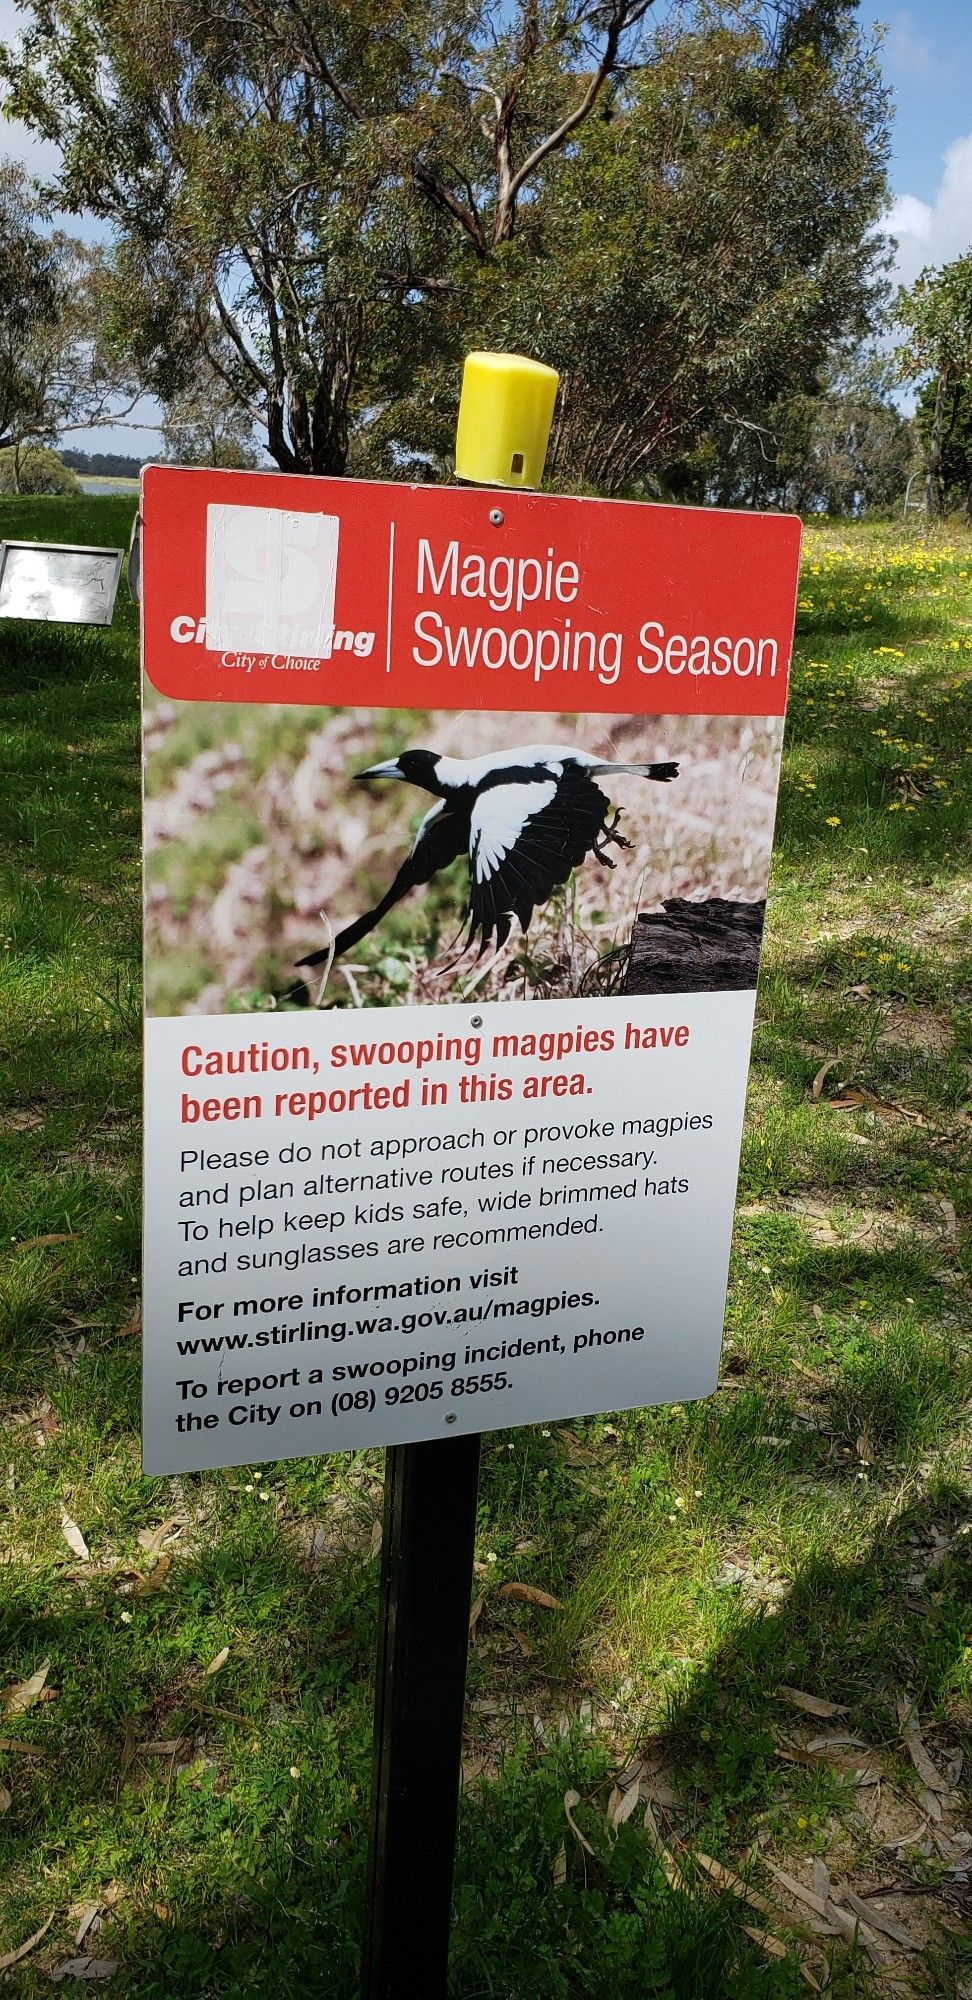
(325, 205)
(935, 318)
(56, 373)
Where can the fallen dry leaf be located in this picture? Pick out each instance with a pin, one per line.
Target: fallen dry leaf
(572, 1799)
(476, 1612)
(40, 1242)
(73, 1537)
(821, 1902)
(14, 1957)
(928, 1772)
(218, 1661)
(878, 1919)
(20, 1748)
(577, 1453)
(771, 1945)
(161, 1746)
(734, 1884)
(822, 1074)
(621, 1805)
(154, 1579)
(811, 1704)
(84, 1968)
(23, 1694)
(797, 1888)
(851, 1100)
(22, 1121)
(951, 1219)
(528, 1593)
(87, 1916)
(152, 1539)
(855, 1930)
(6, 1799)
(559, 1870)
(792, 1754)
(657, 1788)
(843, 1760)
(669, 1865)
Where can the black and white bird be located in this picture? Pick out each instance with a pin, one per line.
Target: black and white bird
(525, 818)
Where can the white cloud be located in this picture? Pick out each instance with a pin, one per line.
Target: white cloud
(939, 231)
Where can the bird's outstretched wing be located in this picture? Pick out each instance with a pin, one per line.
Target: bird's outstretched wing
(442, 836)
(525, 839)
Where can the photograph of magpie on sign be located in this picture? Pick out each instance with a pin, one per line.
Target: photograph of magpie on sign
(312, 866)
(458, 822)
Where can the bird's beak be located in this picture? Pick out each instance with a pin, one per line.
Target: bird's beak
(387, 770)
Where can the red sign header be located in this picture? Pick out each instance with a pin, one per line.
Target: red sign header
(337, 592)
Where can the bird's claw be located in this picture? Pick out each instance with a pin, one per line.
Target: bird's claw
(609, 835)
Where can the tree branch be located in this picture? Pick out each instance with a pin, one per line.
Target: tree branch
(625, 14)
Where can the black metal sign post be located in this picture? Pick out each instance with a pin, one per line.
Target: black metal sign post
(427, 1564)
(431, 1489)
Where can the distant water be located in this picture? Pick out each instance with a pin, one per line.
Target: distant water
(95, 485)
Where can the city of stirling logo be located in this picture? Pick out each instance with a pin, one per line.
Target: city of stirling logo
(271, 580)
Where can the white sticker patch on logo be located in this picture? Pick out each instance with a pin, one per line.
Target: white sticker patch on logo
(270, 579)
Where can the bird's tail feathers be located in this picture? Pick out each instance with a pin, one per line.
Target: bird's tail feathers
(663, 773)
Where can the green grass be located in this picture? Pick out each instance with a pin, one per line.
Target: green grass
(802, 1528)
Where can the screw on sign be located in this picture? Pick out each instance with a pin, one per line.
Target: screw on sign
(500, 781)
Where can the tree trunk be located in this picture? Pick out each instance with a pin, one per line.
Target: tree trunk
(710, 947)
(933, 470)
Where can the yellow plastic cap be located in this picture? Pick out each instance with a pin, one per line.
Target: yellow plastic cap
(505, 412)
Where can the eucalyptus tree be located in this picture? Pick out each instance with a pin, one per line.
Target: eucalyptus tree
(702, 255)
(953, 414)
(935, 351)
(30, 295)
(55, 371)
(714, 241)
(322, 203)
(289, 180)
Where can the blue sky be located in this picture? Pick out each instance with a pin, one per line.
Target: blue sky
(927, 59)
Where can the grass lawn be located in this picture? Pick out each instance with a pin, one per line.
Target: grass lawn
(763, 1628)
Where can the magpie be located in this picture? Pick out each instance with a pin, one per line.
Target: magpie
(524, 818)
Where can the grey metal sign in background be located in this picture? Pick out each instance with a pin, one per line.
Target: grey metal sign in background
(60, 583)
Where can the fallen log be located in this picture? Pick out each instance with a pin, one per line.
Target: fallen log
(710, 947)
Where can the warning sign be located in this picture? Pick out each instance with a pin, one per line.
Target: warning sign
(458, 819)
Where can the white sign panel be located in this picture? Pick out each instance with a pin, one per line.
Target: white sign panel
(416, 1220)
